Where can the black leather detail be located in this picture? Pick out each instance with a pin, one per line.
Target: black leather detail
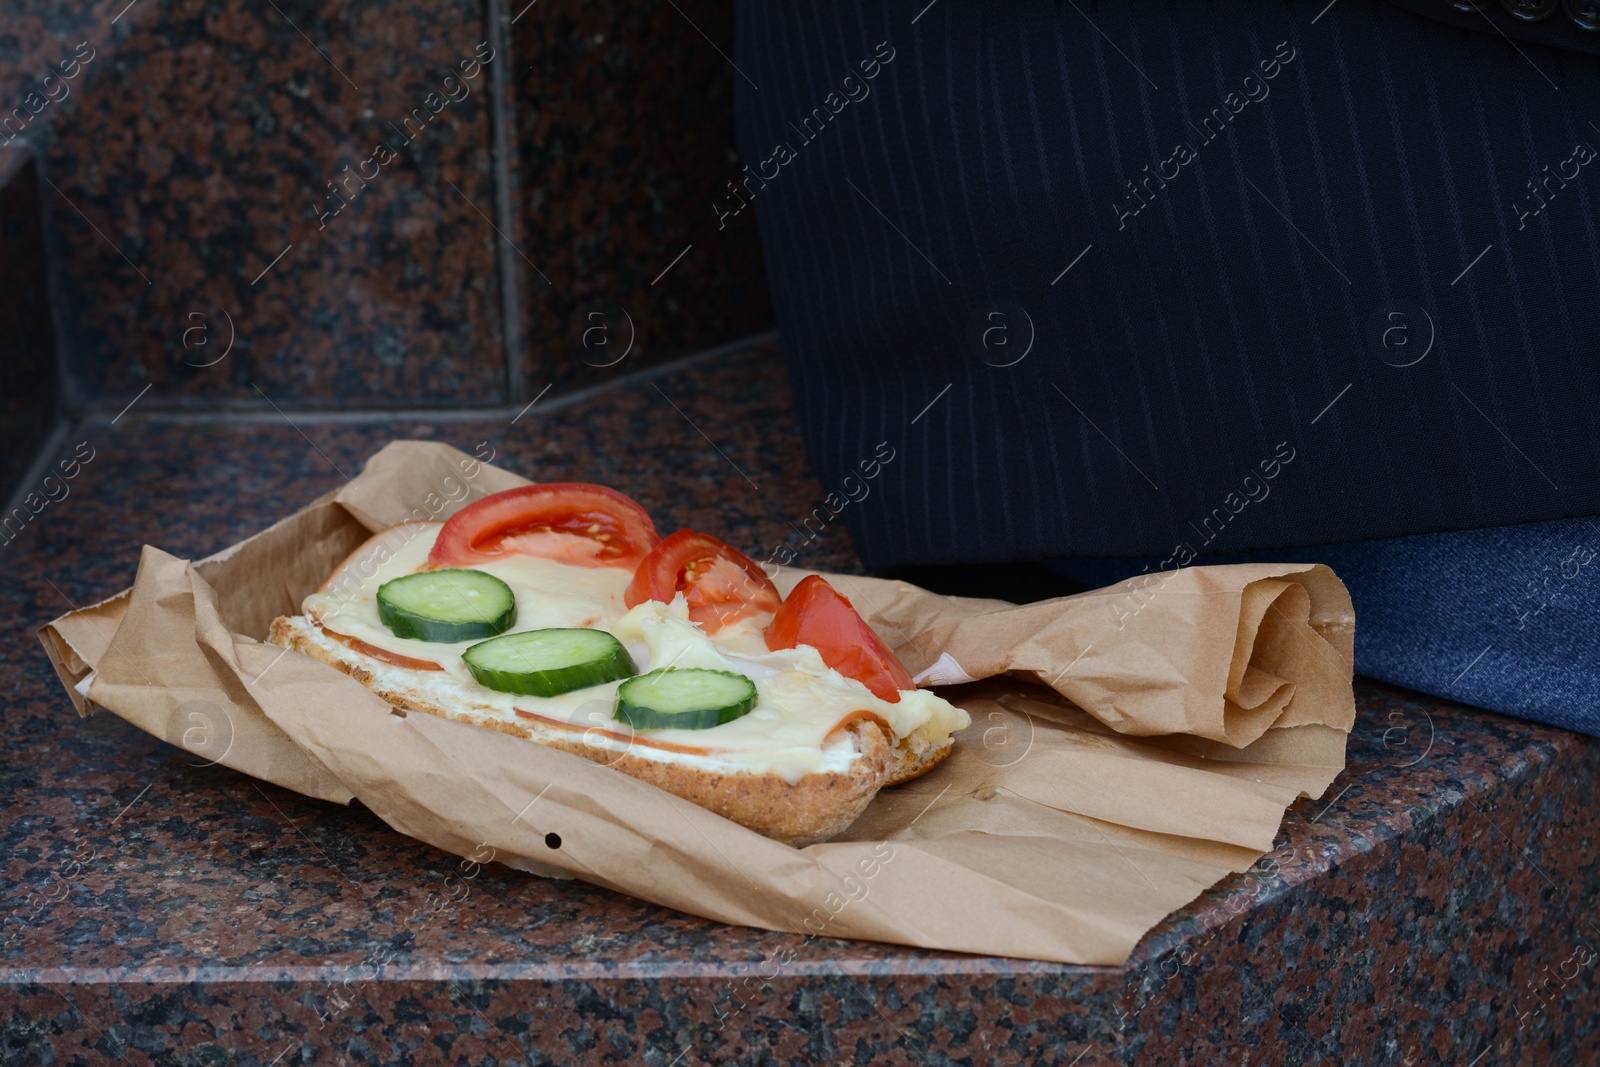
(1569, 24)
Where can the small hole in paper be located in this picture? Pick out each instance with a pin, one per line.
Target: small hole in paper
(552, 840)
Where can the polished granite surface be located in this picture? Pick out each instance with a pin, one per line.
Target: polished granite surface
(623, 117)
(219, 184)
(1437, 906)
(28, 380)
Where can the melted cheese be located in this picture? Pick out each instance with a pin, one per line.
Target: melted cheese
(800, 699)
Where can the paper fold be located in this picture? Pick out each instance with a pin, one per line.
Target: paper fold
(1129, 747)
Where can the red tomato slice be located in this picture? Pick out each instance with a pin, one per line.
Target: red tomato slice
(816, 614)
(721, 584)
(571, 522)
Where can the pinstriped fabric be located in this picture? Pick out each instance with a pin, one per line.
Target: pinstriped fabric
(1203, 344)
(844, 409)
(1165, 357)
(1084, 314)
(1317, 337)
(1493, 356)
(1264, 226)
(1124, 412)
(1340, 121)
(834, 399)
(890, 398)
(1380, 464)
(1591, 417)
(1416, 263)
(1044, 472)
(1216, 249)
(1460, 244)
(1206, 327)
(1153, 413)
(1119, 492)
(1533, 366)
(986, 83)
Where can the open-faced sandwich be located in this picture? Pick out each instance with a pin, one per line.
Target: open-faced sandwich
(556, 612)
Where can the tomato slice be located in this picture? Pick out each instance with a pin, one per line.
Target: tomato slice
(817, 614)
(721, 584)
(572, 522)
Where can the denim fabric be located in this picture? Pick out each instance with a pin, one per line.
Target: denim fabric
(1506, 618)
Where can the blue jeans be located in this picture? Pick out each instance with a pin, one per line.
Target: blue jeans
(1506, 618)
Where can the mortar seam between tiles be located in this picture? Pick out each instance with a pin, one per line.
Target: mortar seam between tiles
(221, 411)
(502, 142)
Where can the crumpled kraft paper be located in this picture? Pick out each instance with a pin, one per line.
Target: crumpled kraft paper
(1129, 746)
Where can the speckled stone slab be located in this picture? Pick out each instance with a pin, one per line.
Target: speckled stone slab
(220, 186)
(623, 118)
(1437, 907)
(28, 377)
(217, 182)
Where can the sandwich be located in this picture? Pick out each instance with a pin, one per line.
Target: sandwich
(555, 612)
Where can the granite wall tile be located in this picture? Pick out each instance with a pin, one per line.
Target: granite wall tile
(28, 375)
(189, 148)
(35, 37)
(624, 135)
(198, 159)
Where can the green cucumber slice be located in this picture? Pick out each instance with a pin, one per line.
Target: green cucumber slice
(447, 605)
(547, 663)
(684, 698)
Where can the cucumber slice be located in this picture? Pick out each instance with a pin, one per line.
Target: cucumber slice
(547, 663)
(447, 605)
(684, 698)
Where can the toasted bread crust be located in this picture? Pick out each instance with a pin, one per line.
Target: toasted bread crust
(815, 808)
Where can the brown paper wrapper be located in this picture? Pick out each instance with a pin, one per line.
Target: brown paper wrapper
(1129, 746)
